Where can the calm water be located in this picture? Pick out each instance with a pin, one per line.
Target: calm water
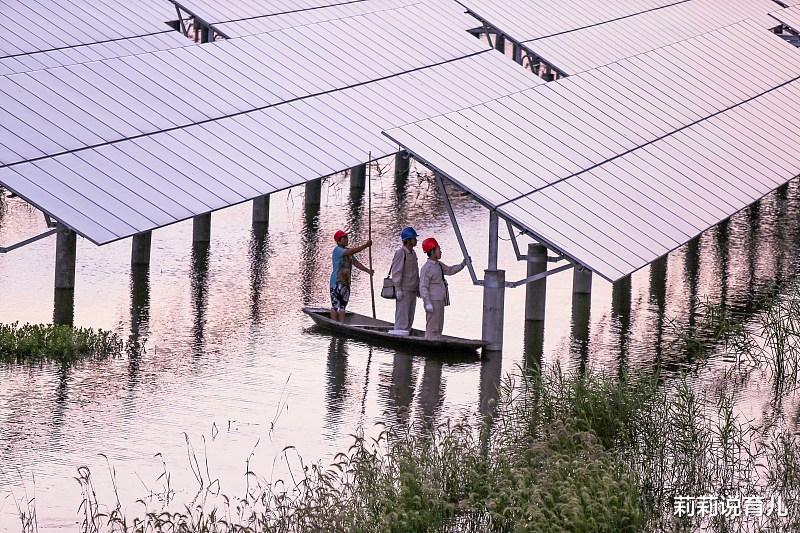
(234, 368)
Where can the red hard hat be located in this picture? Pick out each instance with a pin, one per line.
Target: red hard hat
(338, 235)
(429, 244)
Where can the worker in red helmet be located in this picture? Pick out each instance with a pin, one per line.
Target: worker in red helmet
(343, 262)
(433, 287)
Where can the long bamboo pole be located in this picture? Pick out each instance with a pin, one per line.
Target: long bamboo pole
(369, 231)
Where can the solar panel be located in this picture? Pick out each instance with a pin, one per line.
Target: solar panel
(92, 52)
(252, 26)
(533, 19)
(789, 16)
(212, 11)
(31, 26)
(126, 187)
(595, 46)
(617, 166)
(57, 110)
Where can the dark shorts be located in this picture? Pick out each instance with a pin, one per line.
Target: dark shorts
(340, 296)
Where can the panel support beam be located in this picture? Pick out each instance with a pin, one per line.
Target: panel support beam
(6, 249)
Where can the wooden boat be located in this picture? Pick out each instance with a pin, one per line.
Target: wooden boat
(371, 329)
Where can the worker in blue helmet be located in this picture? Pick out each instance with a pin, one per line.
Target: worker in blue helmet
(405, 276)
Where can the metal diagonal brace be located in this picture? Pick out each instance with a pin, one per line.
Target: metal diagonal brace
(537, 277)
(6, 249)
(454, 222)
(520, 257)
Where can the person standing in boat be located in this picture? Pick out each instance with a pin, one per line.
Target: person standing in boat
(433, 287)
(405, 276)
(343, 262)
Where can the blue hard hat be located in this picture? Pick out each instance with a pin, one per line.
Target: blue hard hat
(408, 233)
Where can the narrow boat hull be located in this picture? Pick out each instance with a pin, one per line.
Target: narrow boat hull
(371, 329)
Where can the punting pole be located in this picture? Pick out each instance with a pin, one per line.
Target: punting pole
(369, 230)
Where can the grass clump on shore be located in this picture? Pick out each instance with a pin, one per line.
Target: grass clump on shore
(60, 342)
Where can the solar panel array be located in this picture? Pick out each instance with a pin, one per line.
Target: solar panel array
(30, 26)
(57, 110)
(617, 166)
(123, 188)
(252, 26)
(580, 50)
(789, 16)
(92, 52)
(213, 11)
(533, 19)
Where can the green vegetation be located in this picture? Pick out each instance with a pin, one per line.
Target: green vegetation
(562, 452)
(60, 343)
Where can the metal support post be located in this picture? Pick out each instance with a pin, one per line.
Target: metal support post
(313, 192)
(536, 292)
(518, 53)
(493, 240)
(358, 177)
(494, 288)
(261, 211)
(140, 249)
(201, 228)
(581, 281)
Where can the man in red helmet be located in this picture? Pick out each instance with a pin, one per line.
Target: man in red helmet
(433, 287)
(343, 262)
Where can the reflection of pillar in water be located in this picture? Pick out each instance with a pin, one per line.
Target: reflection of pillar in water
(336, 379)
(579, 329)
(258, 254)
(621, 317)
(401, 389)
(200, 255)
(692, 272)
(781, 248)
(491, 368)
(62, 395)
(658, 299)
(309, 262)
(140, 311)
(533, 344)
(432, 392)
(723, 229)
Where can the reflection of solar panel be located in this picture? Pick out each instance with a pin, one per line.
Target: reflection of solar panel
(617, 166)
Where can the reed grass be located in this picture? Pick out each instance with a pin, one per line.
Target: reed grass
(61, 343)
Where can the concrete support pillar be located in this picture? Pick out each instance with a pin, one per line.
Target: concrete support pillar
(494, 291)
(201, 228)
(548, 76)
(140, 249)
(261, 211)
(500, 43)
(402, 165)
(313, 192)
(205, 34)
(581, 280)
(536, 292)
(64, 292)
(358, 177)
(66, 241)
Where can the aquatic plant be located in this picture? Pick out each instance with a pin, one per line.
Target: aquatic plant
(61, 343)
